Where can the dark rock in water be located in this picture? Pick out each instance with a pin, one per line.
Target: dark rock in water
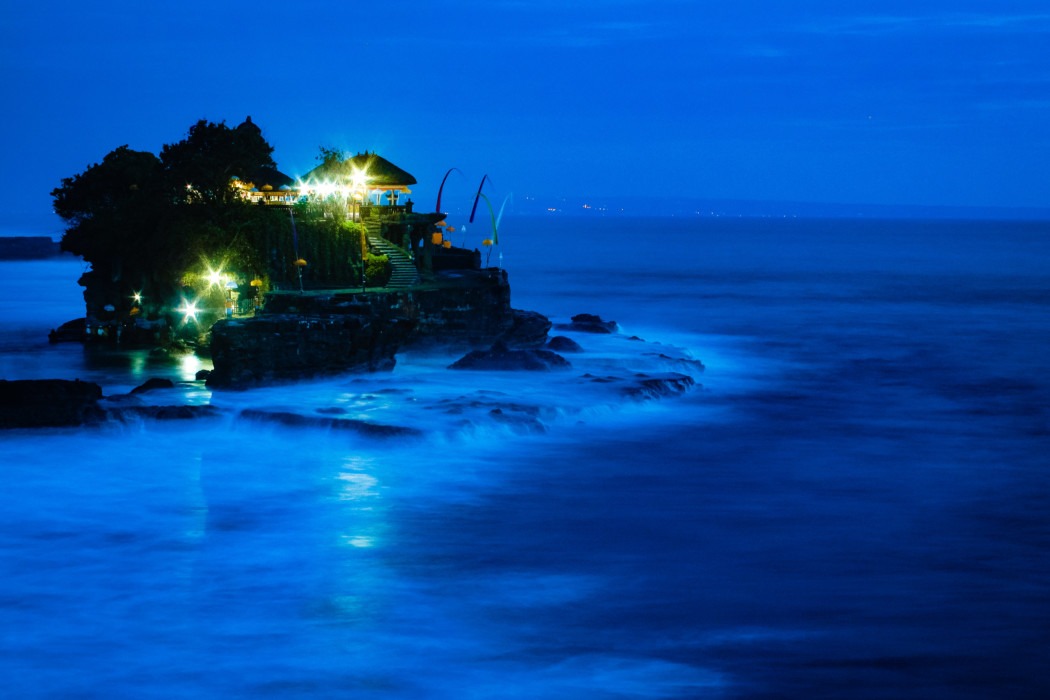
(601, 380)
(466, 309)
(73, 331)
(202, 374)
(37, 403)
(529, 330)
(349, 424)
(500, 357)
(589, 323)
(685, 363)
(519, 422)
(163, 412)
(285, 346)
(152, 384)
(560, 343)
(647, 386)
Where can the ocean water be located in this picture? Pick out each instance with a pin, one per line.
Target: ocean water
(853, 503)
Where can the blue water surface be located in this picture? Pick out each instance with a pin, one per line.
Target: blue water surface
(853, 504)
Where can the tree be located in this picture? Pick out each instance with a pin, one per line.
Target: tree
(143, 221)
(112, 210)
(200, 167)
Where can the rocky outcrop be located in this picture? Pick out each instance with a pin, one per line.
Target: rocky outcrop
(648, 386)
(528, 329)
(152, 384)
(74, 331)
(500, 357)
(56, 403)
(39, 403)
(324, 332)
(589, 323)
(279, 347)
(560, 343)
(464, 309)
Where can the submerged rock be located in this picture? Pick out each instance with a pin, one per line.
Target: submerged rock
(500, 357)
(152, 384)
(646, 386)
(561, 343)
(590, 323)
(39, 403)
(687, 364)
(529, 329)
(69, 332)
(187, 412)
(350, 424)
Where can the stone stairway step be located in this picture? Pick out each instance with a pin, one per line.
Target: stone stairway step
(403, 271)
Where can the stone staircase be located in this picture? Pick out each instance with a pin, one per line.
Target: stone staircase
(403, 271)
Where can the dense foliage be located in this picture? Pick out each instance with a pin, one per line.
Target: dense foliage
(144, 222)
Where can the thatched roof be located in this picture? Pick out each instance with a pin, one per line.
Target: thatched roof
(267, 176)
(382, 174)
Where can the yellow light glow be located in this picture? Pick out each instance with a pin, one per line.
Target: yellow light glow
(359, 178)
(215, 277)
(137, 297)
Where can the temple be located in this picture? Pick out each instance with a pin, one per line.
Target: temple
(348, 226)
(375, 194)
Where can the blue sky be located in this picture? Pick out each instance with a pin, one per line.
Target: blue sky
(933, 103)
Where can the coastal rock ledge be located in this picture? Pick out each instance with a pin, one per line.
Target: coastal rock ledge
(48, 403)
(314, 333)
(65, 403)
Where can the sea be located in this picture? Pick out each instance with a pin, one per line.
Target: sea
(852, 501)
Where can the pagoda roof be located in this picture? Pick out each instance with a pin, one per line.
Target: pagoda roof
(382, 174)
(267, 176)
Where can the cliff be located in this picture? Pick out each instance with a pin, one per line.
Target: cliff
(325, 332)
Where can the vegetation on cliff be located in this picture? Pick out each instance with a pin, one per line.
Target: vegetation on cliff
(154, 226)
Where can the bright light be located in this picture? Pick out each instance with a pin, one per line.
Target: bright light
(189, 364)
(188, 310)
(326, 189)
(359, 179)
(215, 277)
(137, 297)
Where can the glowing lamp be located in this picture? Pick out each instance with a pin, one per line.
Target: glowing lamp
(300, 263)
(447, 244)
(487, 242)
(188, 310)
(436, 238)
(256, 282)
